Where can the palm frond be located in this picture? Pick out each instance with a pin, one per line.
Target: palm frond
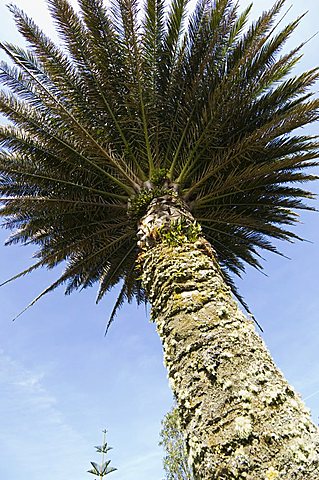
(137, 100)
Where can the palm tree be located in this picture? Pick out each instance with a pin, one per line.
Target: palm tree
(156, 151)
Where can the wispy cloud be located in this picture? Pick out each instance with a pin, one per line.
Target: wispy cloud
(313, 394)
(33, 430)
(142, 466)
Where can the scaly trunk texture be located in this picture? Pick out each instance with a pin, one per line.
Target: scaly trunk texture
(241, 418)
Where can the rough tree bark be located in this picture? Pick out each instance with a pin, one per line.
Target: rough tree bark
(241, 418)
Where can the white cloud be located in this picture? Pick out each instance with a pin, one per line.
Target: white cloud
(142, 466)
(33, 430)
(31, 382)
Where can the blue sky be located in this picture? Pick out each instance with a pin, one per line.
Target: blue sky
(62, 382)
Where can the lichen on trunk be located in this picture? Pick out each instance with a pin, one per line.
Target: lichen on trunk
(241, 418)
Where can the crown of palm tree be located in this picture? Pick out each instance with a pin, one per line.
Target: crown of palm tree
(138, 102)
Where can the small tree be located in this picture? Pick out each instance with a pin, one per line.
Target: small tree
(172, 440)
(104, 469)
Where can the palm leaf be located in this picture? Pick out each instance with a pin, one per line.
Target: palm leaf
(140, 100)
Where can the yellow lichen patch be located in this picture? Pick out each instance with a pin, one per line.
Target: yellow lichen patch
(271, 474)
(176, 296)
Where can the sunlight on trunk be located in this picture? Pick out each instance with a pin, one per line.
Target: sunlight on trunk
(241, 418)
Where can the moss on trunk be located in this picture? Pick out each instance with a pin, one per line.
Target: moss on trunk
(241, 418)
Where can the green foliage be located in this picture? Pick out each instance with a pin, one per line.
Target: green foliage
(138, 204)
(136, 102)
(180, 232)
(175, 461)
(103, 469)
(159, 177)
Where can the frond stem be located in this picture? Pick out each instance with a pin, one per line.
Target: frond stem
(65, 182)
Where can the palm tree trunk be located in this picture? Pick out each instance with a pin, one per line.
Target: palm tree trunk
(241, 418)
